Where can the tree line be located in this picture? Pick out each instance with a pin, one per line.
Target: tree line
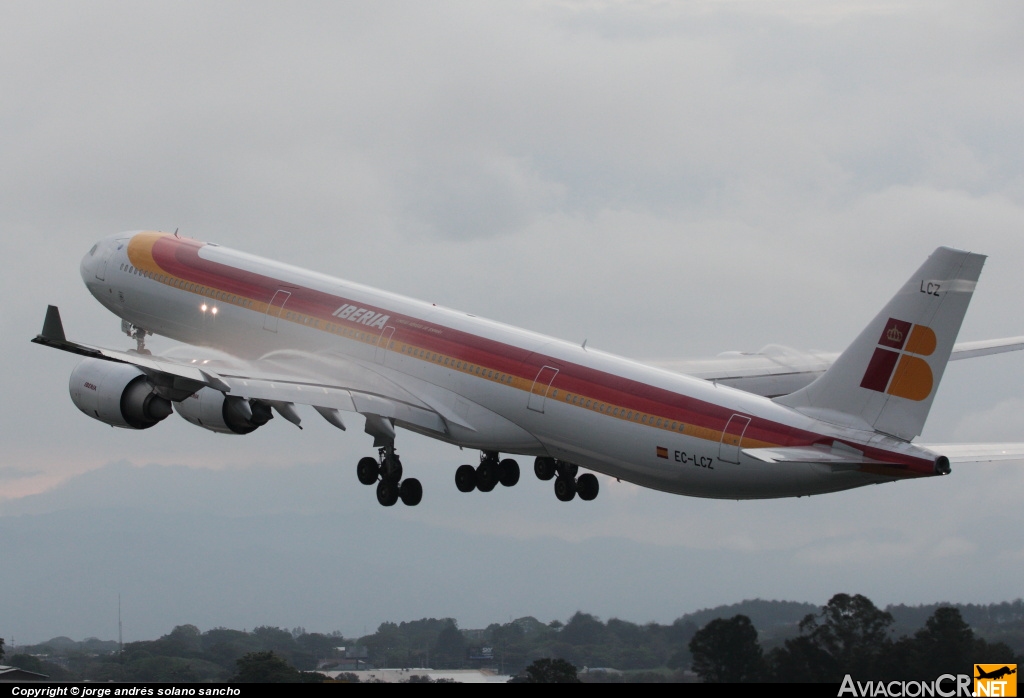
(849, 636)
(752, 641)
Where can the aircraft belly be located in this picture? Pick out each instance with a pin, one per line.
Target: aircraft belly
(488, 430)
(677, 463)
(155, 315)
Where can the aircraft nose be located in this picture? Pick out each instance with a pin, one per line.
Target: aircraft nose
(94, 264)
(99, 265)
(88, 266)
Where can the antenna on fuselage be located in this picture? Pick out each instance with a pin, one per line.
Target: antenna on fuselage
(176, 233)
(584, 345)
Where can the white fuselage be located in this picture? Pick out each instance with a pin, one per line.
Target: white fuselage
(499, 388)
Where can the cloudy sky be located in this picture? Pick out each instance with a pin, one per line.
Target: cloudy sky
(663, 179)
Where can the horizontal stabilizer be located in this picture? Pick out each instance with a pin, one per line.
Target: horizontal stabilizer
(836, 459)
(986, 347)
(977, 453)
(776, 370)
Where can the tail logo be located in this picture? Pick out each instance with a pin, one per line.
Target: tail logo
(896, 368)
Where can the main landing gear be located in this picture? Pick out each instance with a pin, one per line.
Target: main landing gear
(567, 485)
(386, 473)
(488, 474)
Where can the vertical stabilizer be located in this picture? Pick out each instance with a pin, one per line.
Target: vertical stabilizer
(889, 375)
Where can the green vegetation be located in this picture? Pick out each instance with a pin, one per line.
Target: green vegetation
(548, 671)
(267, 667)
(749, 641)
(727, 651)
(850, 635)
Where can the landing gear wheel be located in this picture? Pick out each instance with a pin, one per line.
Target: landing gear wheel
(387, 492)
(509, 472)
(587, 487)
(411, 492)
(487, 474)
(544, 468)
(367, 471)
(568, 470)
(565, 488)
(465, 478)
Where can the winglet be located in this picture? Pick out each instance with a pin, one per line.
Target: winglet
(53, 328)
(53, 335)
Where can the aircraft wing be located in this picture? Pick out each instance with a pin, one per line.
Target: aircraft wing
(777, 370)
(329, 382)
(326, 382)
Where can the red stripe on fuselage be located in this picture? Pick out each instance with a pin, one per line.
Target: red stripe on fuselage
(180, 258)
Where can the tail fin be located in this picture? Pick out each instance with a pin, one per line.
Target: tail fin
(889, 375)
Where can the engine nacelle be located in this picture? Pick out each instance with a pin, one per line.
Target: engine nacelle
(225, 414)
(116, 394)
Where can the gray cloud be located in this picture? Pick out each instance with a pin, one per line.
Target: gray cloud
(664, 180)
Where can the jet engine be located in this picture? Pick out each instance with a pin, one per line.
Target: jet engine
(225, 414)
(117, 394)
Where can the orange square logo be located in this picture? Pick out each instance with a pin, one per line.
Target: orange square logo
(995, 680)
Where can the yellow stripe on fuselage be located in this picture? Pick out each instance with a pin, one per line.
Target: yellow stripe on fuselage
(140, 251)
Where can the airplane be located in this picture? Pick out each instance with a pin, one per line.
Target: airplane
(262, 337)
(996, 673)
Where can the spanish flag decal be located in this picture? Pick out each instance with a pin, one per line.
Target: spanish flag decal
(662, 452)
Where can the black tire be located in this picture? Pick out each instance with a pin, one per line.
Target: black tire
(509, 472)
(391, 469)
(465, 478)
(544, 467)
(411, 492)
(387, 492)
(487, 474)
(568, 470)
(587, 487)
(565, 488)
(367, 471)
